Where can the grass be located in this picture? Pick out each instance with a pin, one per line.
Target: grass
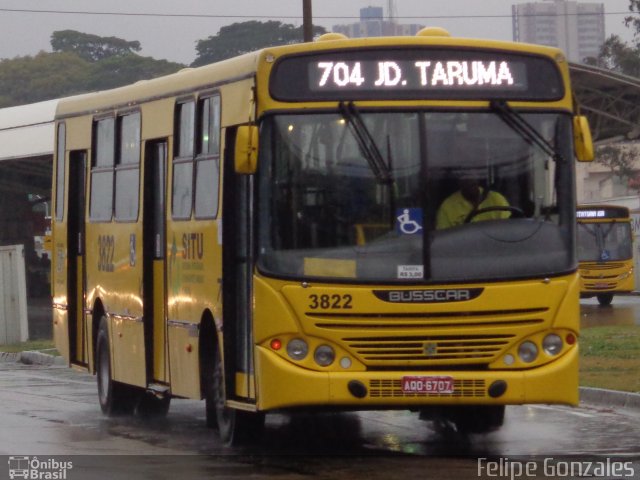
(610, 358)
(39, 345)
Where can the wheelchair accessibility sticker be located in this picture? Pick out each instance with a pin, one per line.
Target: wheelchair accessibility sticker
(408, 221)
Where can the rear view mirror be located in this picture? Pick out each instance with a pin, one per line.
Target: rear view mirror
(582, 141)
(246, 149)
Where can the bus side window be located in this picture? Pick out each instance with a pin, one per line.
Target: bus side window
(127, 181)
(102, 165)
(207, 165)
(182, 185)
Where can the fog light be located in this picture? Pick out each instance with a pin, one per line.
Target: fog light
(527, 351)
(324, 355)
(297, 349)
(345, 362)
(552, 344)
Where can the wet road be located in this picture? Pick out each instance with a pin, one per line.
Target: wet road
(624, 310)
(53, 411)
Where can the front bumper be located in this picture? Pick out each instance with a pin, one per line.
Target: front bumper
(282, 384)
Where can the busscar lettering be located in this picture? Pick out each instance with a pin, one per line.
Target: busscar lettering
(429, 295)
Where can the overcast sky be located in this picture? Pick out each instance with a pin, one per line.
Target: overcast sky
(173, 34)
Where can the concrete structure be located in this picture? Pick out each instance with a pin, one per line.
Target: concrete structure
(373, 24)
(576, 28)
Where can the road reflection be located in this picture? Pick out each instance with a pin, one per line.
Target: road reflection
(625, 310)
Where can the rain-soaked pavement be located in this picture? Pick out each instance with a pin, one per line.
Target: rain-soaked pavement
(52, 412)
(624, 310)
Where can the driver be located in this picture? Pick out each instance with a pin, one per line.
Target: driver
(470, 197)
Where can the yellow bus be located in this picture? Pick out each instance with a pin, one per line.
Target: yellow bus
(605, 252)
(261, 233)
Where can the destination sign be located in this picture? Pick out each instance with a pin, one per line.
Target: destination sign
(596, 213)
(424, 73)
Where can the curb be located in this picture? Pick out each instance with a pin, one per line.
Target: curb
(39, 358)
(610, 398)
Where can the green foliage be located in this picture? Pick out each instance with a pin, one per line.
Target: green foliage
(118, 71)
(80, 63)
(43, 77)
(622, 342)
(621, 162)
(92, 48)
(618, 56)
(244, 37)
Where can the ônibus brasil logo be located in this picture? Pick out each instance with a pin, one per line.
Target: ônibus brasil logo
(33, 468)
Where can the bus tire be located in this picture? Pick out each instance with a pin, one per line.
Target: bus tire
(605, 299)
(115, 398)
(478, 419)
(235, 427)
(152, 406)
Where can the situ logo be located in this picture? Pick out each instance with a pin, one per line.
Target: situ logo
(38, 469)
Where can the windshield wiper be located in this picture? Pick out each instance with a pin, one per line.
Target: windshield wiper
(518, 123)
(367, 144)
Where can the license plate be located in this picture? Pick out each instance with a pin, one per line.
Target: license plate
(427, 384)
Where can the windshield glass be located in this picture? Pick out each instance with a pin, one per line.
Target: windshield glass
(414, 196)
(601, 242)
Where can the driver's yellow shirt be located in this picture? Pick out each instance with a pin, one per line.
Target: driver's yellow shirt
(455, 209)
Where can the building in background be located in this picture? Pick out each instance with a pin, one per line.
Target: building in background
(373, 24)
(576, 28)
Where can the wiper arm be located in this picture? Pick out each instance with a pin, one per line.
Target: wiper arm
(367, 144)
(518, 123)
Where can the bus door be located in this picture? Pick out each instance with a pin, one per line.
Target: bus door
(237, 280)
(154, 260)
(76, 284)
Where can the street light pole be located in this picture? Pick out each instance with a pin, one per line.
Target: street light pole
(307, 21)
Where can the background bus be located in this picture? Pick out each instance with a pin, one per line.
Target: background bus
(261, 233)
(605, 251)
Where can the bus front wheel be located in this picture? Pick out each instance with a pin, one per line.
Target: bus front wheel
(236, 427)
(115, 398)
(605, 299)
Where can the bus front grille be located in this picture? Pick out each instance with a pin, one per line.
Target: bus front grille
(438, 339)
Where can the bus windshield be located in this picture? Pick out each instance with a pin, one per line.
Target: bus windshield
(601, 242)
(383, 196)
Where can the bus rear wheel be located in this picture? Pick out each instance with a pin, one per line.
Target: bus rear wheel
(235, 427)
(605, 299)
(115, 398)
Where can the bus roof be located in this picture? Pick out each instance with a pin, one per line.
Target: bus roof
(189, 80)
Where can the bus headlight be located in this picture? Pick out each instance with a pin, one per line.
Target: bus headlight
(552, 344)
(297, 349)
(324, 355)
(528, 351)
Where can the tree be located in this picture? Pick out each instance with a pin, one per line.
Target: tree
(123, 70)
(634, 21)
(239, 38)
(621, 163)
(43, 77)
(92, 48)
(618, 56)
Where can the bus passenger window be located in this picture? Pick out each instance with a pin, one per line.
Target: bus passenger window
(101, 203)
(183, 161)
(128, 168)
(208, 159)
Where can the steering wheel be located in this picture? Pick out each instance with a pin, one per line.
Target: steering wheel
(515, 211)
